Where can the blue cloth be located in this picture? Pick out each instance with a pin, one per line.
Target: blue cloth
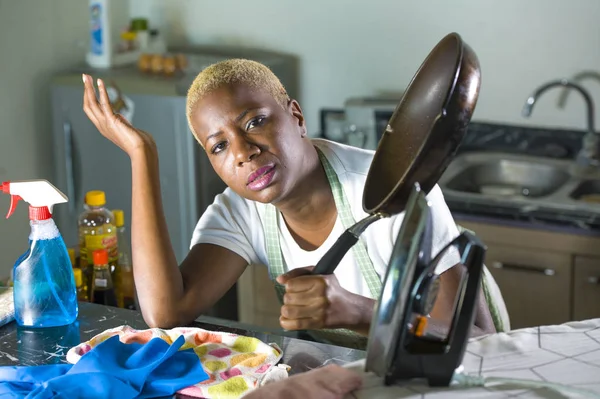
(110, 370)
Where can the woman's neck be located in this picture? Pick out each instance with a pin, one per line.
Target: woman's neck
(310, 211)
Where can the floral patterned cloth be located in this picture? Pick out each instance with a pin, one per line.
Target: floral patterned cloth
(7, 305)
(235, 364)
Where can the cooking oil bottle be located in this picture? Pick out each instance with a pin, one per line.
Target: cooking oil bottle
(72, 256)
(82, 294)
(97, 231)
(127, 284)
(103, 291)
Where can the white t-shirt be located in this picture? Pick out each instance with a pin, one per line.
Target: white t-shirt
(238, 224)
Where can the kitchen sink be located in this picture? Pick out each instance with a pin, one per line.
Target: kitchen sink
(509, 177)
(521, 183)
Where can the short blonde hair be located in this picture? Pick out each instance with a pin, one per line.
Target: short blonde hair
(234, 71)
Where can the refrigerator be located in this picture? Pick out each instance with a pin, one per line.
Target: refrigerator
(84, 160)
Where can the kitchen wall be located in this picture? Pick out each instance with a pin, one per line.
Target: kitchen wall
(351, 48)
(37, 38)
(346, 49)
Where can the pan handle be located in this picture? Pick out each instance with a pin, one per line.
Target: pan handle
(336, 253)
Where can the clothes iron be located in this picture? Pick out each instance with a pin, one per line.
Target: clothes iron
(401, 346)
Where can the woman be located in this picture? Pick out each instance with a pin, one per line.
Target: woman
(288, 199)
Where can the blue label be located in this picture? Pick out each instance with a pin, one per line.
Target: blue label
(96, 29)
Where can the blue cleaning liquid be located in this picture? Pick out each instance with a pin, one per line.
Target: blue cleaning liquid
(44, 284)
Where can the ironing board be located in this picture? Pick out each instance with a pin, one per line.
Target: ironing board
(567, 354)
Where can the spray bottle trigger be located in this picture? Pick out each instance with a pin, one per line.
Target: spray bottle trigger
(14, 200)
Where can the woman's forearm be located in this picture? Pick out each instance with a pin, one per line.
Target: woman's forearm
(157, 277)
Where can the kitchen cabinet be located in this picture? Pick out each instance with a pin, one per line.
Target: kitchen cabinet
(257, 301)
(535, 285)
(586, 288)
(546, 277)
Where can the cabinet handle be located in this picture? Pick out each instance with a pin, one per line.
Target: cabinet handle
(523, 268)
(593, 280)
(68, 138)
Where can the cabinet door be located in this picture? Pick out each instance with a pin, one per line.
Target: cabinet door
(257, 301)
(536, 285)
(586, 287)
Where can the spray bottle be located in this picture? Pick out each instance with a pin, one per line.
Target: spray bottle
(44, 284)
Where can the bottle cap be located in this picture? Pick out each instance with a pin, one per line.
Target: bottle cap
(128, 35)
(119, 217)
(100, 257)
(72, 255)
(95, 198)
(39, 213)
(78, 278)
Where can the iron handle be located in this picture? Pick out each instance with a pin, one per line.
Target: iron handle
(524, 268)
(68, 139)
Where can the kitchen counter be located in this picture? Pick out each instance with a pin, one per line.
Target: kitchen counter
(557, 223)
(32, 347)
(566, 354)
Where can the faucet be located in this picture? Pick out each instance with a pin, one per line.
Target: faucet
(562, 99)
(589, 155)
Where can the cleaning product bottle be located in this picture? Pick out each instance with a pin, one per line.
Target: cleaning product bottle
(44, 285)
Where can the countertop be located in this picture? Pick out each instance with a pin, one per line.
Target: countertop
(568, 354)
(32, 347)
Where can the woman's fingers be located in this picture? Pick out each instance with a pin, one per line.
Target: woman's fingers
(104, 100)
(90, 104)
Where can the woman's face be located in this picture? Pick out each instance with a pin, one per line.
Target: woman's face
(254, 143)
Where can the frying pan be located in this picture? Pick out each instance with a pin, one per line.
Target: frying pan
(420, 140)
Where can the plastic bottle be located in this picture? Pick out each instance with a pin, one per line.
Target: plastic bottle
(127, 284)
(80, 287)
(107, 18)
(97, 230)
(140, 27)
(72, 256)
(44, 285)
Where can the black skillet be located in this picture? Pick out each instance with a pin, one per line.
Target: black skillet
(420, 140)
